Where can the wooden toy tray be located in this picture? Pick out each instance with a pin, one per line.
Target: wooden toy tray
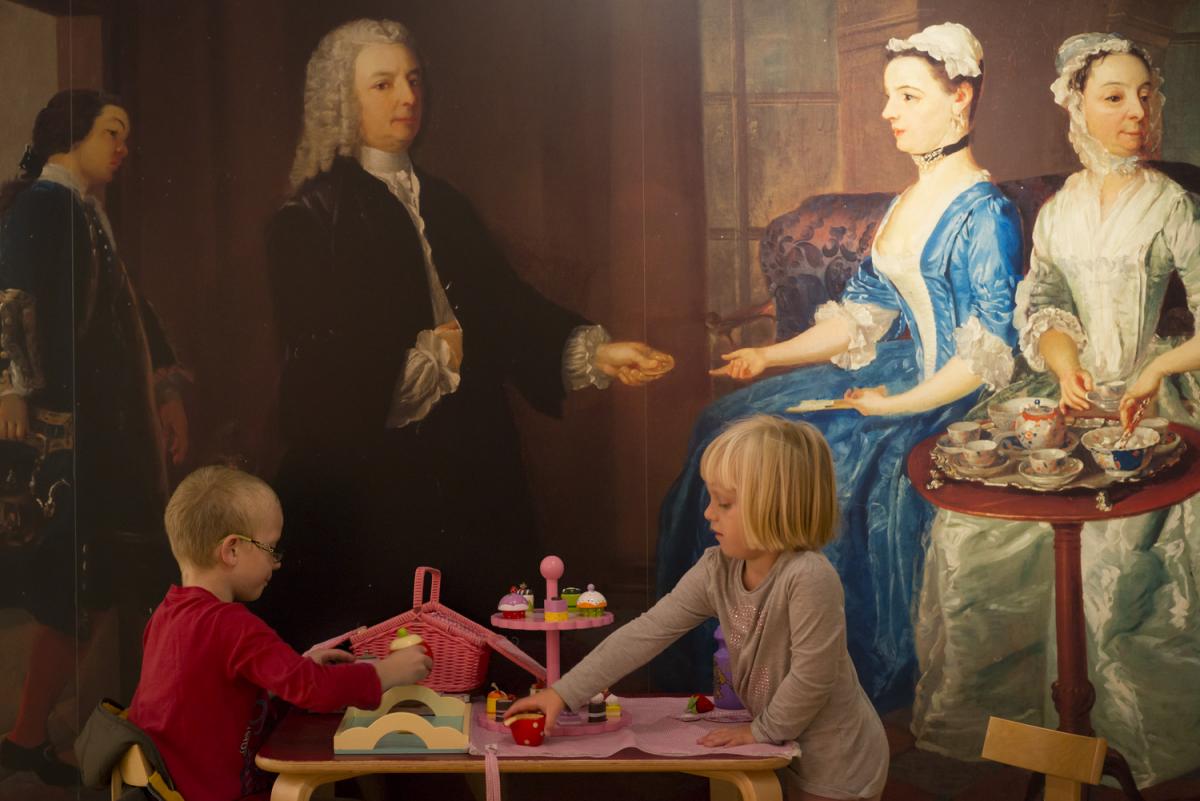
(382, 730)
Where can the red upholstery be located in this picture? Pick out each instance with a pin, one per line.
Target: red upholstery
(808, 254)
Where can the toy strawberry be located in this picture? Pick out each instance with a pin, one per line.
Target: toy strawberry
(699, 704)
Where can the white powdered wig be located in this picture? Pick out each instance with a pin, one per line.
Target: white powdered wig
(331, 125)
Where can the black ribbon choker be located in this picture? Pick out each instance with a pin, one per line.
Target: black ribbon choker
(937, 154)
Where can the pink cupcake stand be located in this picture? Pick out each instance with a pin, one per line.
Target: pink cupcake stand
(569, 723)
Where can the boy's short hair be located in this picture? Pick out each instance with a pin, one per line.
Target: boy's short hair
(782, 474)
(209, 505)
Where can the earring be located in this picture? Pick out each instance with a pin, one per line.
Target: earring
(958, 121)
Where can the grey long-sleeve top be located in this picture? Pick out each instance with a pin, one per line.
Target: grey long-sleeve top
(787, 646)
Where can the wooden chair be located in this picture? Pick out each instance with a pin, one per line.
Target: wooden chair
(132, 771)
(1067, 760)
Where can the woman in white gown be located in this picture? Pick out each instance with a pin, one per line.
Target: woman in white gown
(1104, 249)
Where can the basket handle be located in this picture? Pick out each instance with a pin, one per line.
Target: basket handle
(435, 591)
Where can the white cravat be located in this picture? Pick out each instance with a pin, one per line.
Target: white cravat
(396, 170)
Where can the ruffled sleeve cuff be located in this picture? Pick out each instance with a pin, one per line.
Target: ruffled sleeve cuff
(867, 323)
(987, 355)
(427, 377)
(1042, 321)
(11, 382)
(579, 368)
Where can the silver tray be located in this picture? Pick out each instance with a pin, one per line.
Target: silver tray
(1092, 477)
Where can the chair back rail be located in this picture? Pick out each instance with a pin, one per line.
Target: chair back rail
(1067, 760)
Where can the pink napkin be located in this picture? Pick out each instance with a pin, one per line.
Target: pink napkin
(655, 730)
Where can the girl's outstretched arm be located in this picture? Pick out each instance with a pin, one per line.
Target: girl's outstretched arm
(637, 642)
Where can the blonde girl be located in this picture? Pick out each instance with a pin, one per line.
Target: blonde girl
(779, 601)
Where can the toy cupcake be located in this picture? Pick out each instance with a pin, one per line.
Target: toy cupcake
(513, 606)
(404, 640)
(591, 603)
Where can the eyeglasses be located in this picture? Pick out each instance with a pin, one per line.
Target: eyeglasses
(269, 550)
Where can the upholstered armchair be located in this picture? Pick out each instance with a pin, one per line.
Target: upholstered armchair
(808, 254)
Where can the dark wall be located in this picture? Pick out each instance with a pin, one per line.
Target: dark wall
(574, 128)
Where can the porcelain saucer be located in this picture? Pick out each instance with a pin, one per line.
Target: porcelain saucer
(946, 446)
(1011, 447)
(1169, 443)
(997, 467)
(1052, 480)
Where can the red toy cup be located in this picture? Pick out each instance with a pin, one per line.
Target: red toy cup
(528, 728)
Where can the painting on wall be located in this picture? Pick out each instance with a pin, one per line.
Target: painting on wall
(594, 204)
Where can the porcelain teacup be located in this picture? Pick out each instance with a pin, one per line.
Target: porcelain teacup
(1158, 425)
(962, 432)
(980, 452)
(1048, 461)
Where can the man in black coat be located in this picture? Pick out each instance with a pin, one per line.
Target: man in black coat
(402, 322)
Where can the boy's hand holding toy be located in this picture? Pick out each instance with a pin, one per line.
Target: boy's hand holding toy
(406, 666)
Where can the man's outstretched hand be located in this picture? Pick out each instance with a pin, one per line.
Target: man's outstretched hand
(633, 363)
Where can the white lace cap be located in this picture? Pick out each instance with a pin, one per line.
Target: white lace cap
(1072, 55)
(950, 43)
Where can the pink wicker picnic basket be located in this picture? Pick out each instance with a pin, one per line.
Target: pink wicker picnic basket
(460, 646)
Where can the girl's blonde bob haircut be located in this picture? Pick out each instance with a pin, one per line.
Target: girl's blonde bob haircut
(782, 474)
(208, 506)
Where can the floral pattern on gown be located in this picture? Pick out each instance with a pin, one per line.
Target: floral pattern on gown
(985, 633)
(968, 269)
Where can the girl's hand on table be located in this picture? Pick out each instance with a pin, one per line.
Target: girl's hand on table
(548, 702)
(1075, 385)
(728, 735)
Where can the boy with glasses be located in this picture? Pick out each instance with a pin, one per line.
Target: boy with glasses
(210, 664)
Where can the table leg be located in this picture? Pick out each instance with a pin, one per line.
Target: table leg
(1073, 694)
(753, 785)
(300, 786)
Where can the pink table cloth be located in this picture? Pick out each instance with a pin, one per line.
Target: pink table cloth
(654, 730)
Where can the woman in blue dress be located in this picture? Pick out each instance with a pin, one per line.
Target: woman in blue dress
(944, 267)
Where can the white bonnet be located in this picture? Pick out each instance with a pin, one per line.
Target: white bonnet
(950, 43)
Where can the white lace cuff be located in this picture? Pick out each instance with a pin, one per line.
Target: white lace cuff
(868, 323)
(427, 377)
(579, 368)
(986, 354)
(12, 383)
(1042, 321)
